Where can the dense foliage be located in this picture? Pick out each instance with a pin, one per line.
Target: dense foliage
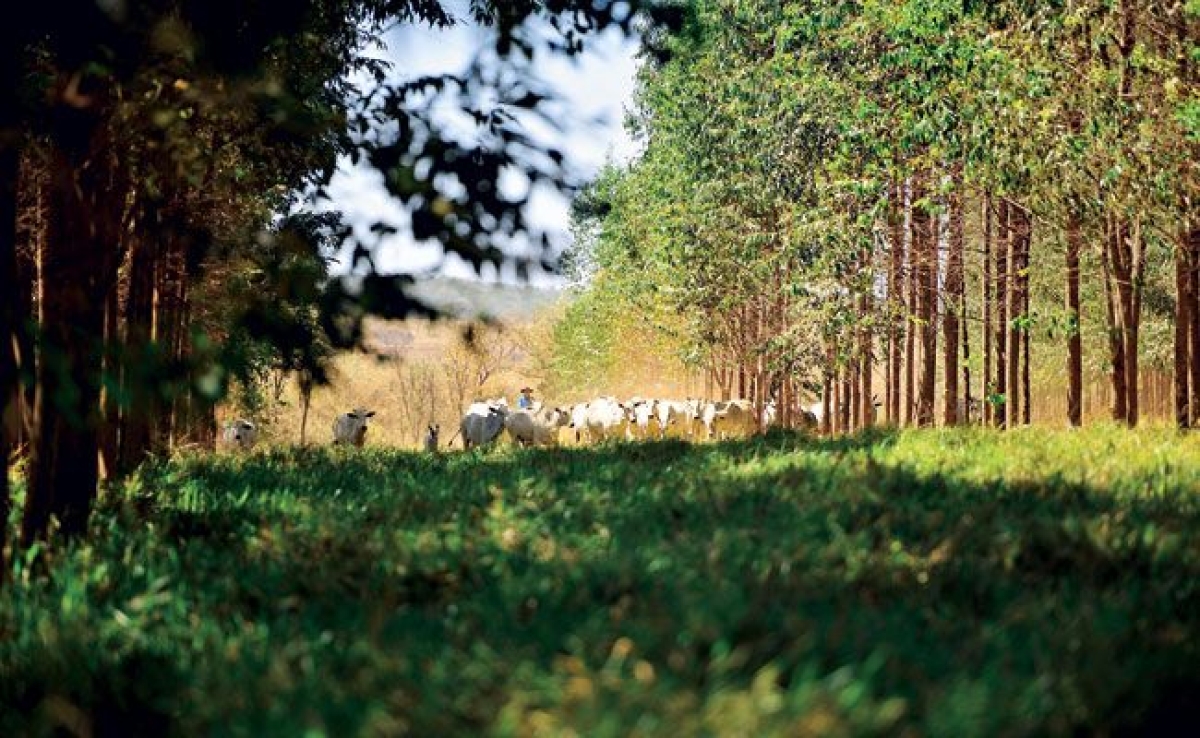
(957, 582)
(833, 187)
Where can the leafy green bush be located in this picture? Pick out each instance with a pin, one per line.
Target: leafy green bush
(941, 582)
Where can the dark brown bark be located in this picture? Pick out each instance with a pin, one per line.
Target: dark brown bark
(135, 429)
(988, 289)
(78, 269)
(1126, 265)
(1194, 326)
(954, 301)
(925, 243)
(912, 281)
(866, 352)
(1074, 336)
(110, 412)
(1184, 301)
(1000, 412)
(9, 399)
(827, 391)
(896, 302)
(1025, 232)
(1017, 239)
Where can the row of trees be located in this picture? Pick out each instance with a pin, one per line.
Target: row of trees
(147, 153)
(900, 202)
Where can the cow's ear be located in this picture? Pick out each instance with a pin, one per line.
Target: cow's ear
(370, 414)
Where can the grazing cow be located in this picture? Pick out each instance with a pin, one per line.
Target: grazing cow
(351, 428)
(640, 413)
(579, 422)
(674, 419)
(729, 418)
(606, 419)
(540, 428)
(431, 437)
(770, 414)
(483, 422)
(240, 434)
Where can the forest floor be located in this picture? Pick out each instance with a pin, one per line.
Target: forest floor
(916, 583)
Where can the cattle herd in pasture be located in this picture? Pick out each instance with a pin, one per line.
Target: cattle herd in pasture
(602, 419)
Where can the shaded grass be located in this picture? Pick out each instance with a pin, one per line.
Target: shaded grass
(940, 582)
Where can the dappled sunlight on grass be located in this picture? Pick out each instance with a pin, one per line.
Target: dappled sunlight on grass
(954, 582)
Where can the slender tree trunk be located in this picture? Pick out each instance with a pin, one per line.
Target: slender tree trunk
(1016, 240)
(1075, 336)
(954, 302)
(827, 400)
(986, 298)
(1126, 265)
(1000, 413)
(1184, 300)
(135, 433)
(866, 373)
(896, 301)
(110, 413)
(925, 243)
(912, 280)
(1116, 345)
(1025, 233)
(1194, 326)
(9, 390)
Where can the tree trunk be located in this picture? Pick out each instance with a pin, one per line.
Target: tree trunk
(1016, 241)
(1025, 234)
(1126, 267)
(1184, 300)
(866, 374)
(986, 298)
(925, 243)
(140, 391)
(896, 302)
(9, 390)
(1075, 336)
(954, 303)
(78, 269)
(1194, 326)
(912, 281)
(1116, 347)
(827, 390)
(1003, 230)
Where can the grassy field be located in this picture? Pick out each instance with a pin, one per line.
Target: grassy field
(922, 583)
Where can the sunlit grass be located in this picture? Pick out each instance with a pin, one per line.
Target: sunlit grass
(945, 582)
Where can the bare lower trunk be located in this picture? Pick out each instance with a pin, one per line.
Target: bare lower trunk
(1074, 336)
(1184, 300)
(1115, 344)
(9, 392)
(895, 302)
(951, 319)
(1194, 327)
(986, 298)
(1004, 231)
(77, 270)
(925, 244)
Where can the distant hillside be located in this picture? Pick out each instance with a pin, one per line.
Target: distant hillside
(469, 299)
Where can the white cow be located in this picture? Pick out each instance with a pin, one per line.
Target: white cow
(351, 428)
(641, 417)
(675, 419)
(579, 422)
(536, 428)
(770, 414)
(606, 418)
(483, 422)
(240, 434)
(729, 418)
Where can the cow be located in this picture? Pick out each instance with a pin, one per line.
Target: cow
(432, 432)
(728, 418)
(975, 417)
(674, 419)
(240, 434)
(640, 415)
(483, 422)
(536, 428)
(606, 419)
(351, 428)
(579, 422)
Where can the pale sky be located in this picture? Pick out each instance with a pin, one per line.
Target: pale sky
(595, 89)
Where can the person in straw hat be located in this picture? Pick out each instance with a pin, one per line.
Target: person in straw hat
(525, 401)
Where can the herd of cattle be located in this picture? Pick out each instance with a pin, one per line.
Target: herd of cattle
(605, 418)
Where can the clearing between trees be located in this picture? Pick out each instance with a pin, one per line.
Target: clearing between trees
(934, 582)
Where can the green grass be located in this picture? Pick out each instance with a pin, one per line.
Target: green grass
(934, 583)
